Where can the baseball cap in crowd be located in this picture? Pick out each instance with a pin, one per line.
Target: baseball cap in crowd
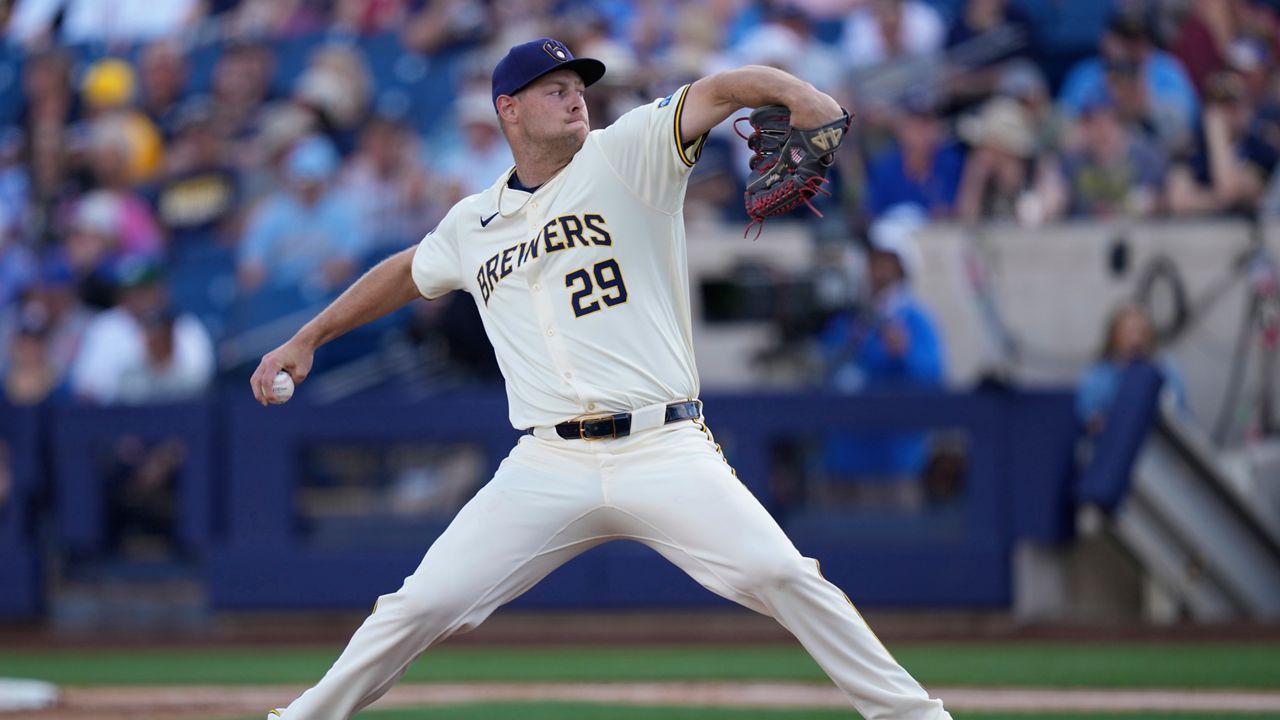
(98, 212)
(529, 61)
(139, 271)
(895, 232)
(109, 83)
(313, 158)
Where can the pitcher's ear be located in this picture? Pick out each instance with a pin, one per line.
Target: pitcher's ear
(506, 107)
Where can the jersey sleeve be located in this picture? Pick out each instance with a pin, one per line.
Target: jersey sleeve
(645, 148)
(435, 267)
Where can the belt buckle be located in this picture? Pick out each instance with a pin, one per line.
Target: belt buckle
(582, 426)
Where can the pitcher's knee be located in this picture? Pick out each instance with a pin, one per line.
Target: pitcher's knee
(776, 574)
(425, 606)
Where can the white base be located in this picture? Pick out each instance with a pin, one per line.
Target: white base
(26, 694)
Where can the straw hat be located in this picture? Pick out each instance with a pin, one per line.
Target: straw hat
(1002, 124)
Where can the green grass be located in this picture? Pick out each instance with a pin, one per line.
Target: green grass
(1097, 665)
(583, 711)
(1058, 665)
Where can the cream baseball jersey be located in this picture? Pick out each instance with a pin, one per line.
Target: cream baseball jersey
(582, 285)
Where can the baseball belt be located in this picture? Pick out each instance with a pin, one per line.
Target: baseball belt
(622, 424)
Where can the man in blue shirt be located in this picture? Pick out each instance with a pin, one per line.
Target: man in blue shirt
(922, 167)
(308, 236)
(1126, 56)
(893, 344)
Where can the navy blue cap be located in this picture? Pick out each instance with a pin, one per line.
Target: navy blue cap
(529, 61)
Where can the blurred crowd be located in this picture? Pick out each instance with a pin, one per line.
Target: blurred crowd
(177, 176)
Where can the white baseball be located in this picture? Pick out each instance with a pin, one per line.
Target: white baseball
(282, 386)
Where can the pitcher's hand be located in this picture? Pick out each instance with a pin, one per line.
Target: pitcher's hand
(294, 357)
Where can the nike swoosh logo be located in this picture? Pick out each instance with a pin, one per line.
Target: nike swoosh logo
(484, 222)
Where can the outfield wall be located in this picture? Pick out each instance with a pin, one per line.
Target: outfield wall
(242, 527)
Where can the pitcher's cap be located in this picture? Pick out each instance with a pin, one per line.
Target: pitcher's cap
(529, 61)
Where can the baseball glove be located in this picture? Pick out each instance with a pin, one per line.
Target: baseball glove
(790, 165)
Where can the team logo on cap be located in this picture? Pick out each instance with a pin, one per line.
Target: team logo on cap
(556, 49)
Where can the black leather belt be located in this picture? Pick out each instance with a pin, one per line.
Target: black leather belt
(619, 425)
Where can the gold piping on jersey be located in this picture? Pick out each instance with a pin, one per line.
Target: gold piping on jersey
(696, 150)
(853, 607)
(707, 431)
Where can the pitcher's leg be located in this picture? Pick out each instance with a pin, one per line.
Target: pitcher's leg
(522, 525)
(694, 511)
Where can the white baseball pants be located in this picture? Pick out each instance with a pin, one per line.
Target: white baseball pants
(551, 500)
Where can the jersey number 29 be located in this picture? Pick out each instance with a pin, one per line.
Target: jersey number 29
(608, 278)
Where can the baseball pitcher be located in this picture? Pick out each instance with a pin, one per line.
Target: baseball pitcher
(575, 258)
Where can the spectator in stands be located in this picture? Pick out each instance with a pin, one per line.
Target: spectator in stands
(260, 159)
(15, 183)
(1023, 81)
(623, 88)
(370, 17)
(242, 85)
(137, 352)
(1229, 166)
(29, 377)
(1205, 38)
(199, 201)
(988, 32)
(922, 168)
(1116, 171)
(33, 22)
(1217, 36)
(198, 198)
(1004, 178)
(482, 154)
(18, 268)
(308, 235)
(1257, 47)
(275, 18)
(92, 248)
(162, 78)
(785, 39)
(880, 31)
(388, 181)
(109, 91)
(165, 371)
(442, 24)
(696, 45)
(984, 37)
(894, 342)
(52, 305)
(891, 344)
(50, 104)
(1128, 339)
(1147, 85)
(336, 86)
(111, 176)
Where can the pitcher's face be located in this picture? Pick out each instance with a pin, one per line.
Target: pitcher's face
(553, 111)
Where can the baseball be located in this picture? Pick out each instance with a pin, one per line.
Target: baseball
(282, 386)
